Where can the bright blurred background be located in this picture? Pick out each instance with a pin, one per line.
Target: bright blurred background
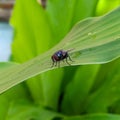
(6, 31)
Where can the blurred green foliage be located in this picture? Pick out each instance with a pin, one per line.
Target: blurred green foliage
(77, 91)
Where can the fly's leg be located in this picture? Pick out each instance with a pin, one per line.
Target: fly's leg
(52, 64)
(55, 63)
(58, 63)
(70, 58)
(67, 62)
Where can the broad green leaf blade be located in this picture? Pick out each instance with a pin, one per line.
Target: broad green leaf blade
(16, 92)
(95, 37)
(4, 65)
(95, 117)
(94, 41)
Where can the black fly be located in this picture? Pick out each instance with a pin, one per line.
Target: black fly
(60, 55)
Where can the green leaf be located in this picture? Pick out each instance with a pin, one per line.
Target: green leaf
(24, 110)
(30, 30)
(16, 92)
(51, 83)
(106, 5)
(4, 105)
(95, 117)
(78, 90)
(94, 41)
(4, 65)
(89, 8)
(115, 107)
(108, 90)
(60, 24)
(104, 94)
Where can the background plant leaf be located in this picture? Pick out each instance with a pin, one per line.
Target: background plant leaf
(90, 93)
(107, 93)
(78, 89)
(25, 110)
(95, 117)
